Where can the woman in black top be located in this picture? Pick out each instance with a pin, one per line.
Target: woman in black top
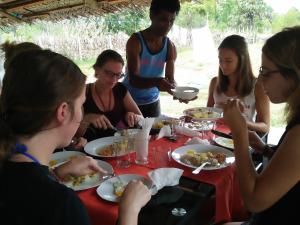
(273, 194)
(108, 103)
(40, 110)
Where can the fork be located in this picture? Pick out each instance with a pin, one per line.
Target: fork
(198, 169)
(110, 175)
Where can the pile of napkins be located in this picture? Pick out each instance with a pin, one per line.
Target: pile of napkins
(186, 131)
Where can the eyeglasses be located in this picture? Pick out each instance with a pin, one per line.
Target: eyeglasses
(112, 74)
(265, 73)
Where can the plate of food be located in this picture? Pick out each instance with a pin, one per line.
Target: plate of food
(88, 181)
(112, 189)
(159, 122)
(194, 155)
(200, 126)
(104, 147)
(204, 113)
(224, 142)
(58, 158)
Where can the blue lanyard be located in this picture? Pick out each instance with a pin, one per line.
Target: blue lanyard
(22, 149)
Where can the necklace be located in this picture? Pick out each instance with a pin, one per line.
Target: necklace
(102, 102)
(23, 150)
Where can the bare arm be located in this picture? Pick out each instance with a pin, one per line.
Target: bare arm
(133, 49)
(282, 172)
(130, 104)
(262, 105)
(170, 63)
(212, 86)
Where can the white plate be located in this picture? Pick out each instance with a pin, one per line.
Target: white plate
(224, 142)
(93, 147)
(106, 188)
(199, 126)
(58, 158)
(195, 113)
(93, 181)
(178, 152)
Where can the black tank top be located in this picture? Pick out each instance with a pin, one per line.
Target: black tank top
(116, 115)
(285, 210)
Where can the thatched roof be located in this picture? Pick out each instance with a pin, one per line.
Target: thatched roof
(12, 12)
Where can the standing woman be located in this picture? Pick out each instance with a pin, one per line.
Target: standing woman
(40, 110)
(274, 193)
(108, 102)
(236, 80)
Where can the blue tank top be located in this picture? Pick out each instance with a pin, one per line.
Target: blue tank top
(152, 65)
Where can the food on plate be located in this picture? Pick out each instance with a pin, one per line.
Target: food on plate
(76, 181)
(109, 150)
(54, 162)
(195, 158)
(106, 150)
(171, 121)
(119, 188)
(202, 113)
(226, 142)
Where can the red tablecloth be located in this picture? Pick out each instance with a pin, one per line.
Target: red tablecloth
(229, 205)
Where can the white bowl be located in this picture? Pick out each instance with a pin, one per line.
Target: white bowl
(185, 93)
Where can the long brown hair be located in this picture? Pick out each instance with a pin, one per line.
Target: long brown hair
(35, 83)
(283, 49)
(245, 79)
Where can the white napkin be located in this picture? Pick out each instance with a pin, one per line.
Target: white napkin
(164, 177)
(146, 124)
(165, 131)
(186, 131)
(196, 140)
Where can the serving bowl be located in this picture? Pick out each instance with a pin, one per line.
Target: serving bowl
(185, 92)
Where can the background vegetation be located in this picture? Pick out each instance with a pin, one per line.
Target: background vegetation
(82, 39)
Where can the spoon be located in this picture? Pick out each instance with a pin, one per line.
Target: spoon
(198, 169)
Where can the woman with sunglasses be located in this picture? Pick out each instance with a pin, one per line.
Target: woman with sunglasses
(236, 80)
(108, 102)
(272, 195)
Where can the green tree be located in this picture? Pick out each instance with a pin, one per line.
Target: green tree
(243, 15)
(291, 18)
(127, 21)
(192, 15)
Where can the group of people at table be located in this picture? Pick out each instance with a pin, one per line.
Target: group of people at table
(44, 94)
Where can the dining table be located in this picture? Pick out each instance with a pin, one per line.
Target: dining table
(228, 204)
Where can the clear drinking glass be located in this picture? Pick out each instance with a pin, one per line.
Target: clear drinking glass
(141, 149)
(120, 147)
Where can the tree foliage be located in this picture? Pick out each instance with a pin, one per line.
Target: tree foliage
(291, 18)
(192, 15)
(243, 15)
(127, 21)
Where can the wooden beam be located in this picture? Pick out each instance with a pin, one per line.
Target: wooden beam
(47, 12)
(9, 16)
(15, 5)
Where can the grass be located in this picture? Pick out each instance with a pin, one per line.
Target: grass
(186, 62)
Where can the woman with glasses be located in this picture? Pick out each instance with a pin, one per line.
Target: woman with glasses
(236, 81)
(40, 110)
(272, 195)
(108, 103)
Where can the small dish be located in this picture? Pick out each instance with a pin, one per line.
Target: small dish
(185, 92)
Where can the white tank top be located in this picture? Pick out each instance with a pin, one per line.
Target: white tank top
(249, 101)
